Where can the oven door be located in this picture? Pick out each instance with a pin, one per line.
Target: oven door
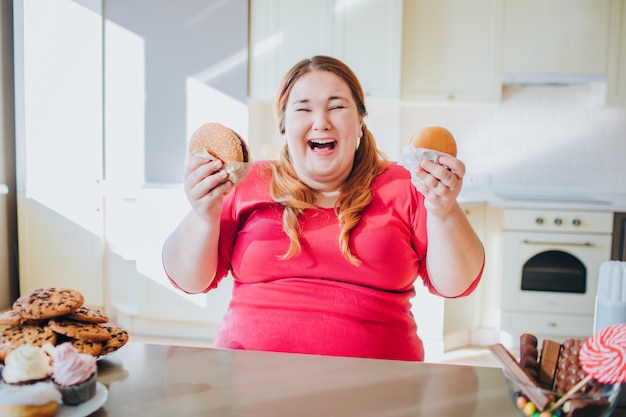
(548, 283)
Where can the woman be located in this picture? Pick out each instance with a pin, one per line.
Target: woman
(325, 244)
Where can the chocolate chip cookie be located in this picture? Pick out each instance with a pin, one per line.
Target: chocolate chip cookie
(88, 315)
(117, 338)
(15, 336)
(46, 303)
(78, 330)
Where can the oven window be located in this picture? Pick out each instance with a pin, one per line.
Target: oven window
(554, 271)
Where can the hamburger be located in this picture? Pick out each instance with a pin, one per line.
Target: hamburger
(435, 138)
(216, 141)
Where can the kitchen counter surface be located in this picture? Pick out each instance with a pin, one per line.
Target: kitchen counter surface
(545, 200)
(159, 380)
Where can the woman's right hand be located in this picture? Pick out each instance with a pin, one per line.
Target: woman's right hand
(206, 184)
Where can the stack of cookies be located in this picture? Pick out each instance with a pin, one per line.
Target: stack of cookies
(56, 315)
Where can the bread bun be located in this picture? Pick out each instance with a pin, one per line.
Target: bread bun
(436, 138)
(220, 142)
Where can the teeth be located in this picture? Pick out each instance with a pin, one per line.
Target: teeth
(322, 141)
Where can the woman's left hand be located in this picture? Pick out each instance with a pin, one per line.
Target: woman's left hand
(440, 183)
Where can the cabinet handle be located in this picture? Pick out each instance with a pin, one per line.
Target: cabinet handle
(539, 242)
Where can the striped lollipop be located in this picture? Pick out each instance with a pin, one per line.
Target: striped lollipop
(603, 355)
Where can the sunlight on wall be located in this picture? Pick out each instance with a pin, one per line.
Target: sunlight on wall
(125, 118)
(206, 104)
(59, 134)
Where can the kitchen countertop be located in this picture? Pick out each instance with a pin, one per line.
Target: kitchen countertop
(545, 200)
(155, 380)
(159, 380)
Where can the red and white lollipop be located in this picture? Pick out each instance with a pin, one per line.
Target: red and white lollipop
(603, 355)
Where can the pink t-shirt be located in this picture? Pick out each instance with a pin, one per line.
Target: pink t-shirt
(317, 302)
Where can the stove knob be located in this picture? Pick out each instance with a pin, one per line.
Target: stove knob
(558, 221)
(576, 222)
(539, 220)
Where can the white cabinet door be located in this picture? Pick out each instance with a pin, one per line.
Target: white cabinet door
(369, 40)
(616, 78)
(451, 50)
(282, 32)
(555, 36)
(366, 35)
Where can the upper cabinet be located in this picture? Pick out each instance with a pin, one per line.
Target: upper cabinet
(444, 50)
(451, 50)
(366, 35)
(369, 40)
(616, 79)
(565, 37)
(283, 32)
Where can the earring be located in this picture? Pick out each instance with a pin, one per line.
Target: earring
(358, 142)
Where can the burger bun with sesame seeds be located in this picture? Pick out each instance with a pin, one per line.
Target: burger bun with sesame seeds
(216, 141)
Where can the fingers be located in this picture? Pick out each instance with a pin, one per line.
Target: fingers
(205, 184)
(441, 179)
(202, 176)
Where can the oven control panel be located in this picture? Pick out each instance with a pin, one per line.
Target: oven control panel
(558, 221)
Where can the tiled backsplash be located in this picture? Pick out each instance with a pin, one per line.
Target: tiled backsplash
(540, 137)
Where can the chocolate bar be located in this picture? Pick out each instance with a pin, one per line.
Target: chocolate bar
(548, 362)
(528, 355)
(540, 400)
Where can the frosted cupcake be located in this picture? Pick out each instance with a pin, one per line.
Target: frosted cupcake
(40, 399)
(26, 365)
(74, 374)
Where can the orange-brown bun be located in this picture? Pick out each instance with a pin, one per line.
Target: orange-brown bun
(216, 141)
(436, 138)
(219, 141)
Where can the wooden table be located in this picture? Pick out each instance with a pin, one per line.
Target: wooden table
(159, 380)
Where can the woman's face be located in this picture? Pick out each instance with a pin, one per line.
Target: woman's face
(322, 125)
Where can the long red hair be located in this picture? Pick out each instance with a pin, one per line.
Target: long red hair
(293, 194)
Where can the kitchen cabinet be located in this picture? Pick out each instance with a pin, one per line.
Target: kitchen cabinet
(565, 37)
(451, 51)
(365, 35)
(446, 324)
(369, 40)
(616, 78)
(618, 251)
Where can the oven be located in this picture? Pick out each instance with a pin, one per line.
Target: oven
(550, 266)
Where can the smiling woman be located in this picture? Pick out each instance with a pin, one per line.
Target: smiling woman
(326, 243)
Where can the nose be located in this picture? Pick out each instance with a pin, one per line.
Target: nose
(321, 121)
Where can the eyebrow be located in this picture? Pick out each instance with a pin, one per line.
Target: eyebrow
(331, 98)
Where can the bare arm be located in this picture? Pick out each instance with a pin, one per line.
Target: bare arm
(190, 252)
(455, 253)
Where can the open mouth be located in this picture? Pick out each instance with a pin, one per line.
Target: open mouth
(324, 144)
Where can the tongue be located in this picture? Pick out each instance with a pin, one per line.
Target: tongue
(323, 149)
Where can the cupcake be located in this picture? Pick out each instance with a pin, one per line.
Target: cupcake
(25, 365)
(74, 374)
(40, 399)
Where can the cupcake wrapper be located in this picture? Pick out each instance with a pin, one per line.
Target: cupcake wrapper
(80, 393)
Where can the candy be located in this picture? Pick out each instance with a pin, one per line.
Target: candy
(528, 355)
(517, 371)
(550, 352)
(603, 355)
